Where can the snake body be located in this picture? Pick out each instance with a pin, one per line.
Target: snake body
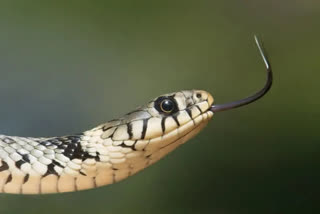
(107, 153)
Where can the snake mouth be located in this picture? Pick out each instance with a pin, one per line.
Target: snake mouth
(257, 95)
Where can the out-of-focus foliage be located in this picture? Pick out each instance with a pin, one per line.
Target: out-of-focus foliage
(67, 66)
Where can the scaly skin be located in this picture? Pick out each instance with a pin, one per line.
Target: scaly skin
(106, 154)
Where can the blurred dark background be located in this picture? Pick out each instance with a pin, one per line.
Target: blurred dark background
(67, 66)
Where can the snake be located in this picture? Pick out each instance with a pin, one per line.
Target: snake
(114, 150)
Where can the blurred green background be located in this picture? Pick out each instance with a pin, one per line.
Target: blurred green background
(67, 66)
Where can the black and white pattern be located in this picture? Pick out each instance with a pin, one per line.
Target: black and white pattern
(104, 155)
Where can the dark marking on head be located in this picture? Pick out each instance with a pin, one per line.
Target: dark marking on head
(111, 135)
(163, 124)
(105, 128)
(144, 128)
(134, 145)
(4, 166)
(199, 108)
(123, 145)
(175, 118)
(129, 129)
(189, 112)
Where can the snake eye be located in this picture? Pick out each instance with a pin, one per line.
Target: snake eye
(166, 105)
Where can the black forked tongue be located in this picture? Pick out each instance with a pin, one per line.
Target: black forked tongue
(257, 95)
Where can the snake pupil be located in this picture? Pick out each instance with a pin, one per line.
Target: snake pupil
(167, 105)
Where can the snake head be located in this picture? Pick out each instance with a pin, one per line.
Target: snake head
(148, 133)
(174, 111)
(173, 114)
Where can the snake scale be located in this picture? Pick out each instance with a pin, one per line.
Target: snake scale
(112, 151)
